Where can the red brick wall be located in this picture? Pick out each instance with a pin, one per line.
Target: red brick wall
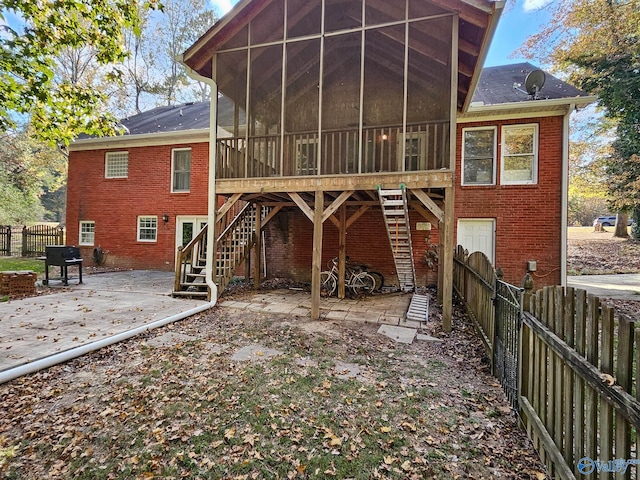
(289, 238)
(114, 204)
(528, 217)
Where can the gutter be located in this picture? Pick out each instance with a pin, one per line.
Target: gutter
(576, 102)
(155, 138)
(55, 359)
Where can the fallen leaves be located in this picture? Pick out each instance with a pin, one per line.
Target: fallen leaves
(180, 411)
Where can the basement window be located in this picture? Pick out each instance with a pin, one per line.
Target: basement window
(87, 233)
(147, 229)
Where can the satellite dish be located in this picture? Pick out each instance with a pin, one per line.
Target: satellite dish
(534, 82)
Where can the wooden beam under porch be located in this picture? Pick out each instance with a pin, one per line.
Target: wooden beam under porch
(322, 198)
(426, 179)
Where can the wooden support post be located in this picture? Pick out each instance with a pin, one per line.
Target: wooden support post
(447, 261)
(342, 252)
(257, 247)
(316, 265)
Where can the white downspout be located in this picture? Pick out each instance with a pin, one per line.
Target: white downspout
(55, 359)
(212, 202)
(46, 362)
(564, 214)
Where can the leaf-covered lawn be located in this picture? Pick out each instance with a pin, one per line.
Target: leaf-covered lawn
(315, 400)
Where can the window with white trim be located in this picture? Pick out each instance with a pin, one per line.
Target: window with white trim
(180, 169)
(87, 232)
(519, 154)
(147, 228)
(116, 165)
(479, 156)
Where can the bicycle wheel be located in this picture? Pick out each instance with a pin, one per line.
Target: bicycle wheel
(377, 276)
(328, 284)
(363, 283)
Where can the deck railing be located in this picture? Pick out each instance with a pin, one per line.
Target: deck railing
(378, 149)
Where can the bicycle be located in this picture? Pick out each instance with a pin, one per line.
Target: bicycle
(358, 282)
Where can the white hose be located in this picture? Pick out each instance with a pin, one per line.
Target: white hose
(55, 359)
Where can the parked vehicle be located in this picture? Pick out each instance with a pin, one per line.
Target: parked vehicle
(608, 221)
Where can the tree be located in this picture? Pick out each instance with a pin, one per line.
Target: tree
(28, 169)
(182, 23)
(33, 35)
(598, 43)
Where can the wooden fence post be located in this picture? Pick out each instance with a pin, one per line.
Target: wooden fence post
(527, 284)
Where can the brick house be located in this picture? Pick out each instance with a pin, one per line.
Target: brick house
(348, 128)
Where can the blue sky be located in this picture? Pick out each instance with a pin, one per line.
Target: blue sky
(520, 19)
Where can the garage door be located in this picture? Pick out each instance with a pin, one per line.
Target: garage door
(478, 235)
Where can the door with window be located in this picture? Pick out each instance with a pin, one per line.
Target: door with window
(187, 228)
(478, 235)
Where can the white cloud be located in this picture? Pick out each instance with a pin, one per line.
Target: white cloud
(530, 5)
(222, 6)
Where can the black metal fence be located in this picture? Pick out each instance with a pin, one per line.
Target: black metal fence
(508, 308)
(29, 241)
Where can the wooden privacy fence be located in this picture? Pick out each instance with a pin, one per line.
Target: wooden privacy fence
(29, 241)
(579, 396)
(578, 386)
(474, 280)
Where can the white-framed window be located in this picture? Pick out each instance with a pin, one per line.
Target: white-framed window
(147, 228)
(479, 156)
(116, 165)
(306, 155)
(180, 169)
(87, 232)
(519, 154)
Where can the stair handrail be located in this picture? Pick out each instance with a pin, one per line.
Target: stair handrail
(183, 254)
(238, 218)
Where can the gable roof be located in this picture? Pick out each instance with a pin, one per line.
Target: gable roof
(172, 118)
(496, 86)
(494, 92)
(475, 29)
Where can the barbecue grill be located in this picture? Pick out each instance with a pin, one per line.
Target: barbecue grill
(62, 256)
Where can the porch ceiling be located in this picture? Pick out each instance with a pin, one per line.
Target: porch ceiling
(428, 54)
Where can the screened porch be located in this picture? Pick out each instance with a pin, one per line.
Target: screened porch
(366, 88)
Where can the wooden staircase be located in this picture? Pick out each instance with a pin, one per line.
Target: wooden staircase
(396, 218)
(232, 247)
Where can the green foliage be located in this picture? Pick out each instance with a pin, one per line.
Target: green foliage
(598, 43)
(59, 109)
(28, 168)
(12, 264)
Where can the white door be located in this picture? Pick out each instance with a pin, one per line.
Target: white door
(187, 228)
(478, 235)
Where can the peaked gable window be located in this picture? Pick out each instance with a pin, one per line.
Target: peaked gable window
(116, 165)
(181, 170)
(479, 156)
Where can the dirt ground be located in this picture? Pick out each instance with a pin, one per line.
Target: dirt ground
(600, 253)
